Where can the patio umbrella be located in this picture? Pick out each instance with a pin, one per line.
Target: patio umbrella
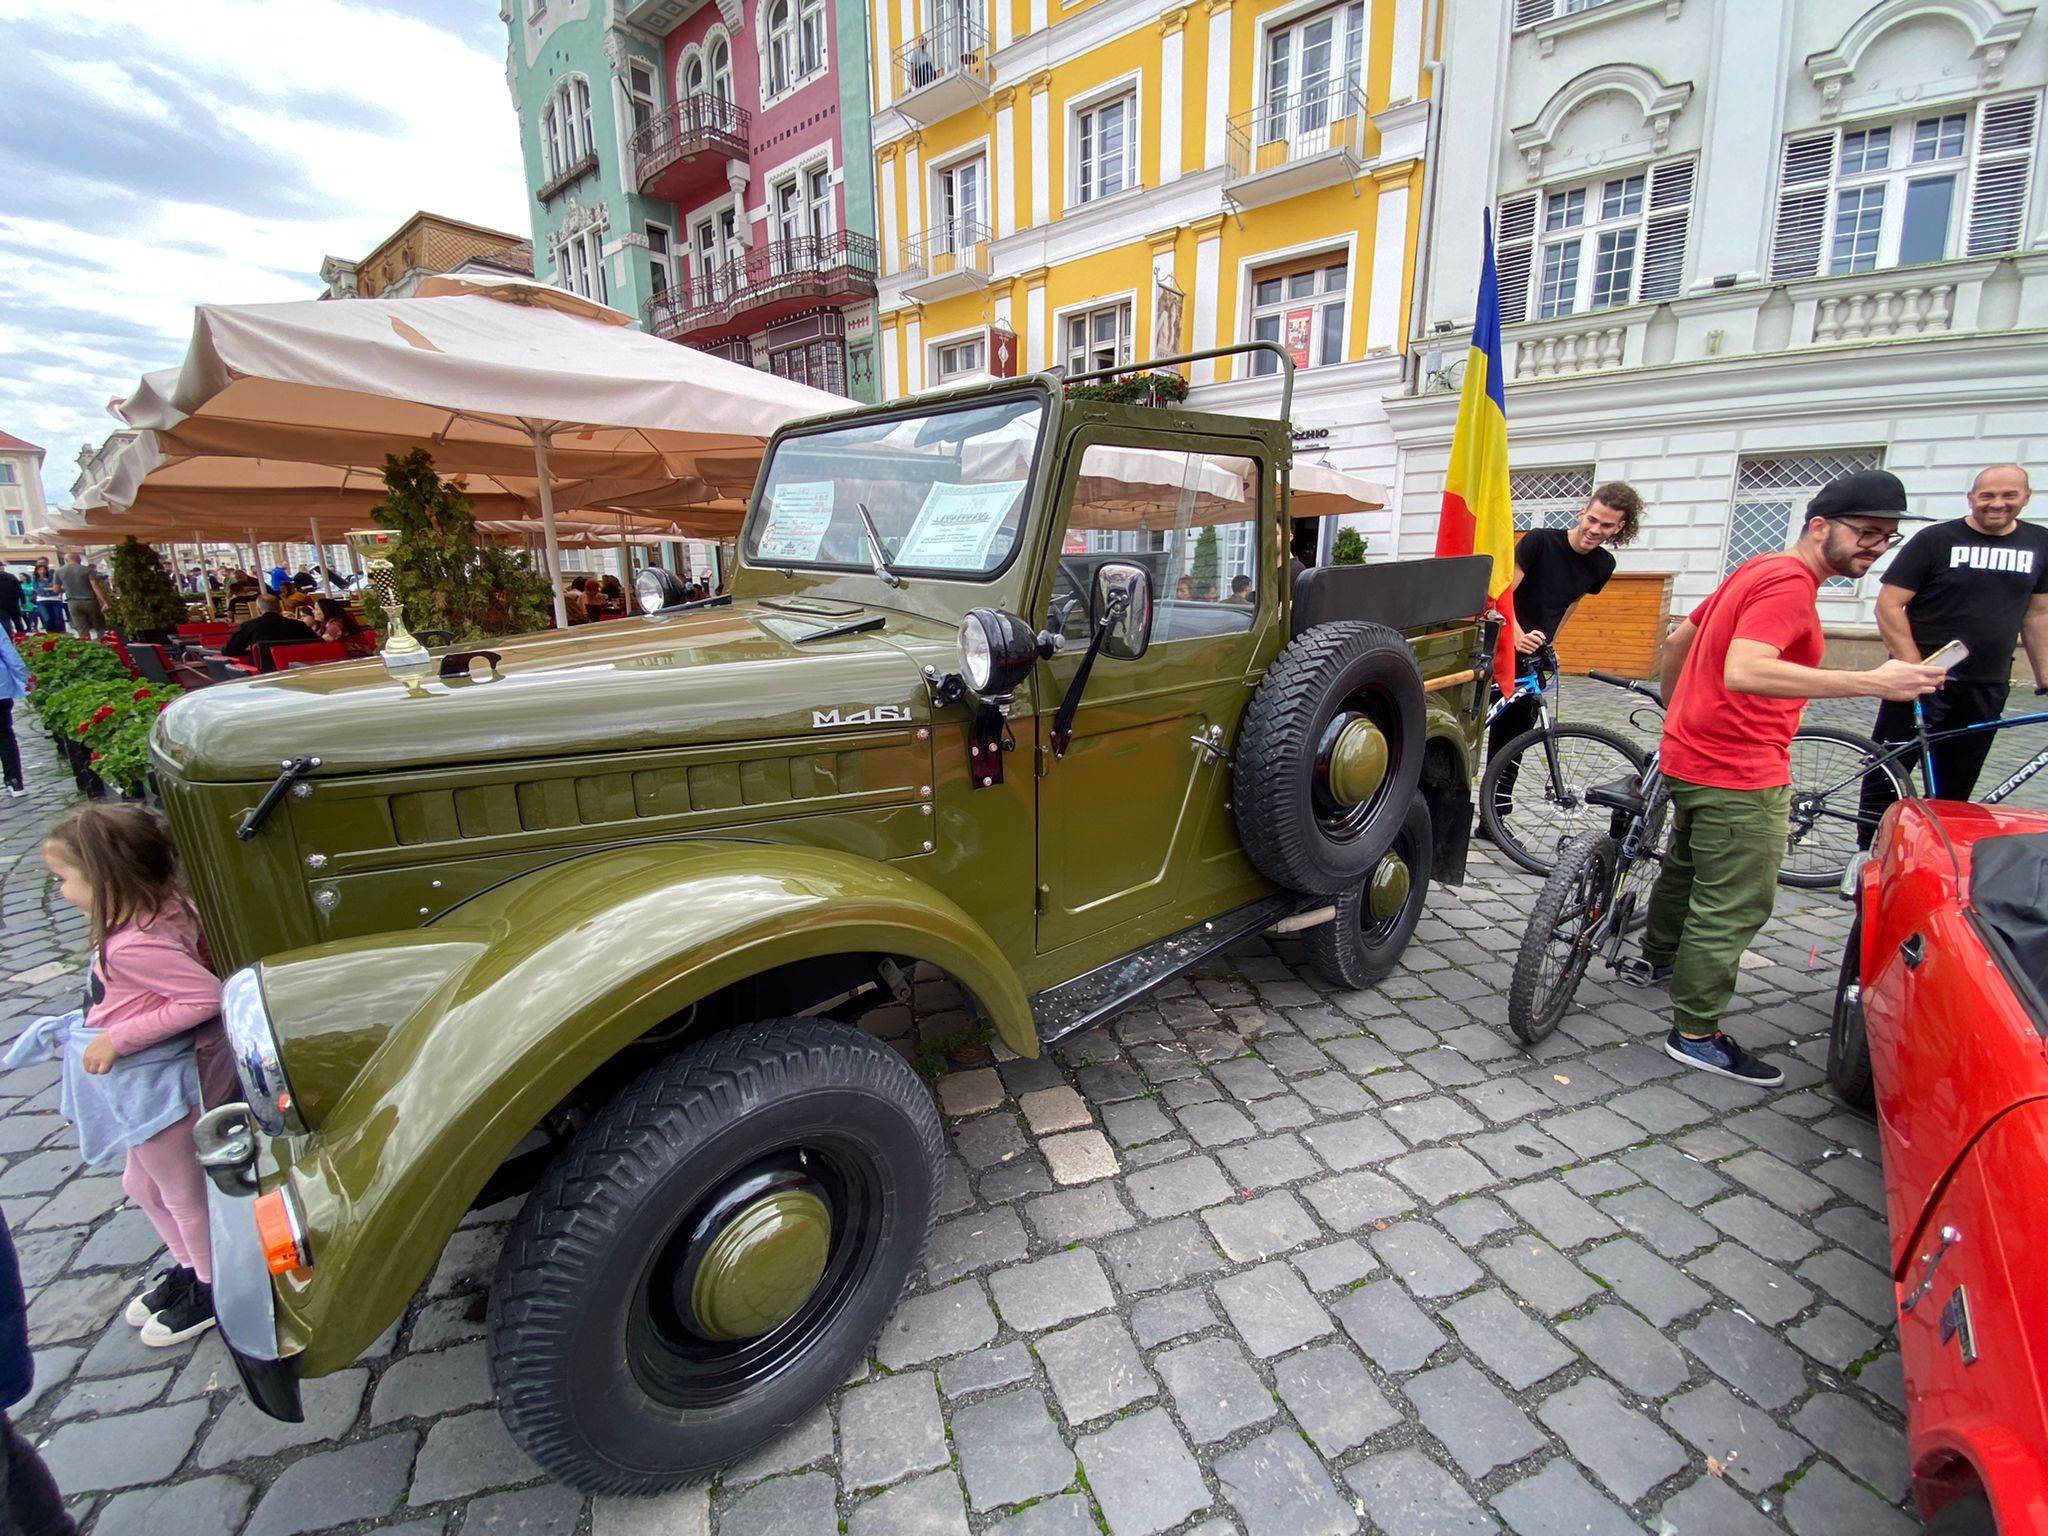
(1320, 491)
(500, 378)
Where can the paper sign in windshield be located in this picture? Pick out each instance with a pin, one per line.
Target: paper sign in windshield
(797, 520)
(957, 526)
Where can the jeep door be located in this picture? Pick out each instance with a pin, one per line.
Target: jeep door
(1122, 816)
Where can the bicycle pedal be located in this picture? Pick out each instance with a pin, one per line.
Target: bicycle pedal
(1638, 972)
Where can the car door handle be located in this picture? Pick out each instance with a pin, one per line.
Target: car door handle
(1913, 951)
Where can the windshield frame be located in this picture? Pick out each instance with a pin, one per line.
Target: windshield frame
(919, 409)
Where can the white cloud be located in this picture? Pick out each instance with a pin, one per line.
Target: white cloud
(233, 144)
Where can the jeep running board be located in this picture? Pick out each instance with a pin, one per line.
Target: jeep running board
(1095, 995)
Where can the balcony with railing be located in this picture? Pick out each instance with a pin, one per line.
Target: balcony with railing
(949, 259)
(945, 69)
(683, 151)
(1298, 142)
(766, 285)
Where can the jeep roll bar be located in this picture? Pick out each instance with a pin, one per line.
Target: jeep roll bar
(1285, 357)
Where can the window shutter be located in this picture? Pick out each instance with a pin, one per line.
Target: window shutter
(1998, 197)
(1514, 248)
(1802, 206)
(1529, 12)
(1664, 235)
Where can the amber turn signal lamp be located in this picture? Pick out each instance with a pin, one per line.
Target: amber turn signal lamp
(277, 1224)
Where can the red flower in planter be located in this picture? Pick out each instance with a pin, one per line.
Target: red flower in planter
(163, 705)
(84, 726)
(142, 693)
(104, 712)
(49, 646)
(95, 757)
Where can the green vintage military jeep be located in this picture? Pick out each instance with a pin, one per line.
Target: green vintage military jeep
(1009, 683)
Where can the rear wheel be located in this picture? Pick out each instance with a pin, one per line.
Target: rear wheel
(1828, 768)
(712, 1254)
(1848, 1044)
(1542, 816)
(1375, 921)
(1559, 941)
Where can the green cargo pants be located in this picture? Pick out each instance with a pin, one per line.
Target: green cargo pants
(1719, 884)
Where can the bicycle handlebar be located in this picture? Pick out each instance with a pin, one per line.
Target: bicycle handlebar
(1615, 681)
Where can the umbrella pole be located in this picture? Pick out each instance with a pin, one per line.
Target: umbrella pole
(320, 557)
(206, 586)
(547, 523)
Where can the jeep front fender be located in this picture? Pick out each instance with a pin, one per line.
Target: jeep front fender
(571, 964)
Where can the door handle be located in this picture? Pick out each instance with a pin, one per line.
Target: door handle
(1913, 951)
(1211, 742)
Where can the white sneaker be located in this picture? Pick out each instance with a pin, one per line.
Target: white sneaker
(16, 791)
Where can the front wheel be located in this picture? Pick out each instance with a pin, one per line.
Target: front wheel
(1969, 1515)
(1375, 921)
(1563, 928)
(1828, 769)
(1848, 1044)
(712, 1254)
(1528, 814)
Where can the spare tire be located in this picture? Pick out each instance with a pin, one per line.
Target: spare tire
(1330, 757)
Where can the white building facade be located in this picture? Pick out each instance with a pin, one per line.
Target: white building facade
(1744, 245)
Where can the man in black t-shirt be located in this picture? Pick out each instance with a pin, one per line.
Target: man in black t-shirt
(1555, 568)
(1981, 579)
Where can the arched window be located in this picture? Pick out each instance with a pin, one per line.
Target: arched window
(690, 78)
(781, 59)
(721, 69)
(565, 132)
(810, 37)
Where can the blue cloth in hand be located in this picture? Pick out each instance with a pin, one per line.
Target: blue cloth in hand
(145, 1093)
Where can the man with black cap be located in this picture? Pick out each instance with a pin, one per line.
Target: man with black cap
(1981, 579)
(1737, 676)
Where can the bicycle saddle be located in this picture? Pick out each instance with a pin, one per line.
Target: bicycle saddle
(1619, 795)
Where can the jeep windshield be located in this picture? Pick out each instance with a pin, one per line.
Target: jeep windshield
(945, 490)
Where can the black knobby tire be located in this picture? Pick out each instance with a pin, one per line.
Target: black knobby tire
(1828, 768)
(1848, 1044)
(1354, 949)
(1558, 944)
(1291, 829)
(596, 1377)
(1538, 823)
(1969, 1515)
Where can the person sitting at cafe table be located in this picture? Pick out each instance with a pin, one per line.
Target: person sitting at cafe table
(268, 627)
(333, 622)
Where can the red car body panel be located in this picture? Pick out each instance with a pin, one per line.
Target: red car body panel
(1960, 1069)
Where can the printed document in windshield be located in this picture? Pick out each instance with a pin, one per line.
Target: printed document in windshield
(797, 520)
(957, 526)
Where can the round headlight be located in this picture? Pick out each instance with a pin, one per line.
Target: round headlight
(996, 651)
(655, 589)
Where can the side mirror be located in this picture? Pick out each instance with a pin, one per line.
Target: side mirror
(1125, 589)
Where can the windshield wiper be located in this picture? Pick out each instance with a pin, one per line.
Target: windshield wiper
(876, 557)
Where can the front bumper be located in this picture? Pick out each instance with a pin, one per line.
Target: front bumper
(243, 1302)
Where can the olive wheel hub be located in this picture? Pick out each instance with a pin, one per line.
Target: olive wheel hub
(1355, 763)
(1387, 893)
(754, 1260)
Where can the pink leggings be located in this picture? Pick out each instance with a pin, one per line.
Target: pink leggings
(163, 1176)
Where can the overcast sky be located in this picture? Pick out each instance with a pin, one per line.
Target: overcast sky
(164, 153)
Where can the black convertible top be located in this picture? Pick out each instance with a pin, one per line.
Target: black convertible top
(2009, 889)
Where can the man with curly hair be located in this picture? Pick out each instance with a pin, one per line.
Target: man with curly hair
(1555, 570)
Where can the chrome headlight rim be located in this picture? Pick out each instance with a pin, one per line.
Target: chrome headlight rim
(259, 1062)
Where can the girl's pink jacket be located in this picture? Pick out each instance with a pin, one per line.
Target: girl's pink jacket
(159, 985)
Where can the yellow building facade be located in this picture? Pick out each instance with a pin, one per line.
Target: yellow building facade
(1084, 184)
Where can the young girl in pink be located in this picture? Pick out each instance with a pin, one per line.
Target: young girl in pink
(152, 1007)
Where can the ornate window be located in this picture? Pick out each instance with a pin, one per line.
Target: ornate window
(720, 51)
(1771, 493)
(565, 133)
(690, 76)
(780, 56)
(1569, 250)
(640, 93)
(810, 37)
(579, 264)
(1941, 184)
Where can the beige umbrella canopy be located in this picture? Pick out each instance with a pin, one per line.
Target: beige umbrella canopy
(1320, 491)
(503, 379)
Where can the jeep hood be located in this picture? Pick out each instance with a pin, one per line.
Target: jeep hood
(739, 672)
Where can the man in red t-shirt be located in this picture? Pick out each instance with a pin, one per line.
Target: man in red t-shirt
(1737, 675)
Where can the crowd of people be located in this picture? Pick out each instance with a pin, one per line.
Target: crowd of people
(70, 594)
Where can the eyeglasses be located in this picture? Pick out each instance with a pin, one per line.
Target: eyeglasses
(1872, 538)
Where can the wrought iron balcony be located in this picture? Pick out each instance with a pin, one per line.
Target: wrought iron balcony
(951, 258)
(945, 69)
(765, 285)
(686, 146)
(1298, 142)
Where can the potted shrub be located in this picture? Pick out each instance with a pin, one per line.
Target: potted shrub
(147, 605)
(444, 574)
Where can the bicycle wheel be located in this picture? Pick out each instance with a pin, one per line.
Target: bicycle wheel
(1632, 889)
(1541, 818)
(1563, 928)
(1828, 768)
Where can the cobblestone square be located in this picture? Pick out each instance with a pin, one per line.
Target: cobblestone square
(1253, 1256)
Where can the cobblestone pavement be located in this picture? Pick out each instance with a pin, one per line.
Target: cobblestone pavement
(1255, 1257)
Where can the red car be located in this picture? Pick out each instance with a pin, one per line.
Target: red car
(1941, 1025)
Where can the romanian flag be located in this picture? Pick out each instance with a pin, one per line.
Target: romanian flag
(1478, 516)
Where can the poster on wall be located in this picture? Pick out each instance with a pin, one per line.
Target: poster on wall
(1301, 324)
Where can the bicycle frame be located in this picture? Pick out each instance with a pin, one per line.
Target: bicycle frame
(1923, 739)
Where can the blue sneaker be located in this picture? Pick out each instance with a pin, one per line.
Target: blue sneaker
(1721, 1055)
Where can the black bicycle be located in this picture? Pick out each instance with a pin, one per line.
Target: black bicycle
(1598, 893)
(1546, 809)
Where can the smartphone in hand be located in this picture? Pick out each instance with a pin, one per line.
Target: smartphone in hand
(1948, 658)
